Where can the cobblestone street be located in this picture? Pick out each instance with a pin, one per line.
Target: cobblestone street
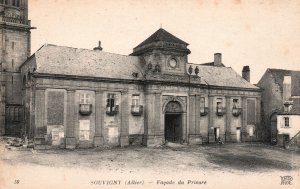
(201, 163)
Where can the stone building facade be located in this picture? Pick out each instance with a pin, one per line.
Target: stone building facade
(88, 98)
(279, 87)
(14, 50)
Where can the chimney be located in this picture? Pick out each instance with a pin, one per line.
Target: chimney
(246, 73)
(218, 59)
(287, 87)
(99, 48)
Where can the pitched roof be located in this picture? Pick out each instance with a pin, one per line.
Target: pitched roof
(52, 59)
(162, 35)
(60, 60)
(211, 64)
(221, 76)
(279, 74)
(295, 108)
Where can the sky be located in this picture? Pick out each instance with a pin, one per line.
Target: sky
(259, 33)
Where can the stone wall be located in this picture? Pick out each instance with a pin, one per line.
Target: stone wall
(272, 102)
(124, 128)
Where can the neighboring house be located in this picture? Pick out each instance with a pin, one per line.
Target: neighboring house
(280, 87)
(85, 98)
(288, 125)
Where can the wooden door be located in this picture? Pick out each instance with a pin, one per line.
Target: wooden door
(173, 130)
(14, 120)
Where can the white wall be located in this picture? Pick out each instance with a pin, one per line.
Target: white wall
(294, 127)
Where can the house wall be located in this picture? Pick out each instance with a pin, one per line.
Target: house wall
(148, 128)
(291, 131)
(294, 127)
(272, 102)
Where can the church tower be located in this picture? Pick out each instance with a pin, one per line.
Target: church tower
(14, 50)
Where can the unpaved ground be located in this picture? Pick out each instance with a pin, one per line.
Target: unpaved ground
(163, 162)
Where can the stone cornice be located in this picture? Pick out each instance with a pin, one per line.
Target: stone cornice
(13, 26)
(140, 82)
(160, 46)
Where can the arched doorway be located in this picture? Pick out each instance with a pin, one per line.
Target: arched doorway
(173, 122)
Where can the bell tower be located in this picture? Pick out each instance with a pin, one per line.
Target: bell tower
(14, 50)
(164, 53)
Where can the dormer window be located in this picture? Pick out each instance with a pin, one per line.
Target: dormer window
(111, 107)
(288, 106)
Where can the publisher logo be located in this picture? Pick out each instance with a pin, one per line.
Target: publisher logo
(286, 180)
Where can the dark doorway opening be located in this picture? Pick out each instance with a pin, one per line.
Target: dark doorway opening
(216, 133)
(14, 120)
(286, 139)
(273, 128)
(173, 128)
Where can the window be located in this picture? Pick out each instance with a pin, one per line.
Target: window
(203, 109)
(84, 129)
(136, 108)
(135, 103)
(85, 106)
(111, 107)
(220, 109)
(13, 45)
(202, 102)
(6, 2)
(219, 104)
(111, 101)
(136, 100)
(1, 1)
(85, 98)
(286, 121)
(236, 111)
(18, 3)
(235, 103)
(13, 64)
(251, 130)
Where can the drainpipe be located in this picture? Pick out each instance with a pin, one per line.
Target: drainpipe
(190, 71)
(208, 91)
(195, 116)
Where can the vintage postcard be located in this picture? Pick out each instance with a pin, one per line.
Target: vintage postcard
(149, 94)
